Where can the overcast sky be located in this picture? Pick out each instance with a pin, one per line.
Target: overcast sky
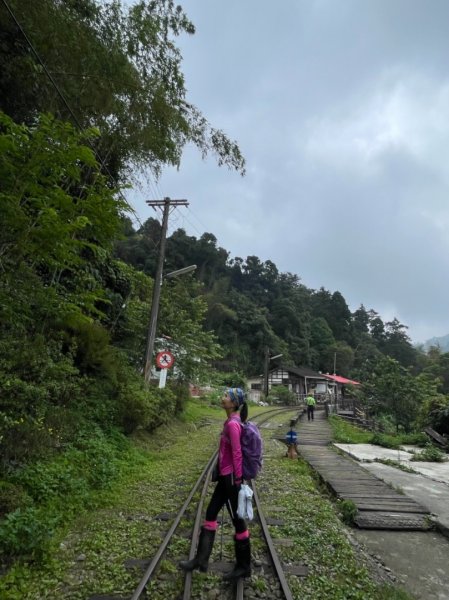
(341, 108)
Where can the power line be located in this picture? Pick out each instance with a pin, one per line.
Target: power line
(47, 72)
(198, 219)
(193, 225)
(101, 161)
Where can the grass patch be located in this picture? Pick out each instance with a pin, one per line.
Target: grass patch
(430, 454)
(155, 478)
(346, 433)
(118, 521)
(196, 409)
(396, 464)
(53, 491)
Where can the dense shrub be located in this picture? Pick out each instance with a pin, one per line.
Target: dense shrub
(26, 532)
(429, 454)
(44, 494)
(12, 497)
(281, 395)
(386, 440)
(233, 379)
(396, 441)
(181, 393)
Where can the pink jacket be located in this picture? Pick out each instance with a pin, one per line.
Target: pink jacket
(230, 452)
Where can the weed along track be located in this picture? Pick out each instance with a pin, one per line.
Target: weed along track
(131, 547)
(299, 547)
(161, 577)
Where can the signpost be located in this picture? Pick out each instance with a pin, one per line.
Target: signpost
(165, 361)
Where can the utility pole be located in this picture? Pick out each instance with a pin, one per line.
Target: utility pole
(265, 371)
(166, 203)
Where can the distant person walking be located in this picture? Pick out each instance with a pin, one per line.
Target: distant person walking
(230, 475)
(310, 401)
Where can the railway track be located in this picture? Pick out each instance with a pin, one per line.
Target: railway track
(204, 479)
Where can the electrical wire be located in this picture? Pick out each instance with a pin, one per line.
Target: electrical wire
(76, 120)
(198, 219)
(193, 225)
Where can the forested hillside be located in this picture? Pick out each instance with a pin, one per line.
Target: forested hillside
(250, 305)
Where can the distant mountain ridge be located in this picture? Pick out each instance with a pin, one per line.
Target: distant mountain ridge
(442, 342)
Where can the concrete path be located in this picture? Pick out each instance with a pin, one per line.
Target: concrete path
(378, 506)
(418, 559)
(429, 487)
(369, 452)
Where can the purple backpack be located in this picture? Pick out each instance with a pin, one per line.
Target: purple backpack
(251, 443)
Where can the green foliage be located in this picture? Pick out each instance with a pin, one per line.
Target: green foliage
(348, 511)
(196, 409)
(233, 379)
(106, 522)
(430, 453)
(280, 394)
(387, 441)
(26, 532)
(50, 492)
(73, 320)
(144, 407)
(119, 68)
(251, 305)
(435, 412)
(395, 463)
(343, 355)
(346, 433)
(389, 388)
(12, 497)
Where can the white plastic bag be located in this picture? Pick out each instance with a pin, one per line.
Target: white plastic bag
(245, 507)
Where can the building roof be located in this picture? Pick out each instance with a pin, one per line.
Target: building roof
(343, 380)
(300, 371)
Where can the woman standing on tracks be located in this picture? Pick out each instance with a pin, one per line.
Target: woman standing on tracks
(227, 491)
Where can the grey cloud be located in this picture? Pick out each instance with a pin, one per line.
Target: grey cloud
(341, 109)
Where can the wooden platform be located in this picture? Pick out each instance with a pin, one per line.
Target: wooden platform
(378, 505)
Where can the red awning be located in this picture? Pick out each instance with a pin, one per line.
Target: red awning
(343, 380)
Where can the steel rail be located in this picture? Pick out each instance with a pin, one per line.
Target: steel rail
(273, 553)
(195, 533)
(162, 548)
(272, 550)
(196, 529)
(154, 563)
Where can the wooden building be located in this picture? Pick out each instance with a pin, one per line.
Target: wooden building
(299, 380)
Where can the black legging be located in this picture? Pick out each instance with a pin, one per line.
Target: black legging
(227, 493)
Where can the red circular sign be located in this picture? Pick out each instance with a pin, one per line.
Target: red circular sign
(165, 359)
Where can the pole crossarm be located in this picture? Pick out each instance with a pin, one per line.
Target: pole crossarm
(167, 200)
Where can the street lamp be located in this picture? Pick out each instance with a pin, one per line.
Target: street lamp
(154, 315)
(182, 271)
(267, 366)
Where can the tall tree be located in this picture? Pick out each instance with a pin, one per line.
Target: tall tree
(397, 343)
(389, 388)
(360, 321)
(119, 69)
